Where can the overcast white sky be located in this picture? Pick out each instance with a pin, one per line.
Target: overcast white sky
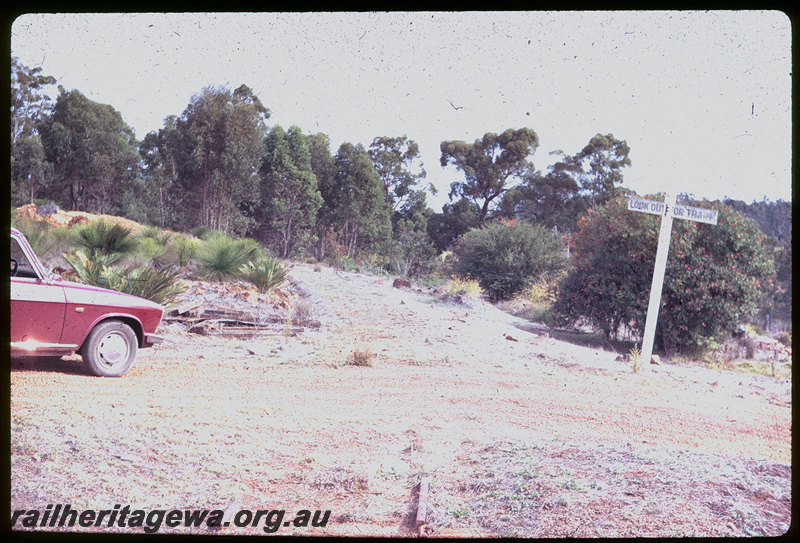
(702, 98)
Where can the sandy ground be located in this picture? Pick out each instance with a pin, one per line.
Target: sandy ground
(518, 434)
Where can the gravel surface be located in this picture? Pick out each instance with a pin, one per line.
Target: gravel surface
(519, 434)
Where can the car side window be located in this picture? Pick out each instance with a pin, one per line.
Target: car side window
(23, 265)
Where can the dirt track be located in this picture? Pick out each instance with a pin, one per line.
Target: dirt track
(520, 434)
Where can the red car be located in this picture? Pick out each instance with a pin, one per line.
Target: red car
(52, 317)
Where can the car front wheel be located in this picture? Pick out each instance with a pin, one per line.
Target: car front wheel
(110, 349)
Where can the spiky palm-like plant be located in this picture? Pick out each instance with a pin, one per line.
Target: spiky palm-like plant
(183, 249)
(222, 258)
(92, 271)
(161, 286)
(104, 238)
(265, 273)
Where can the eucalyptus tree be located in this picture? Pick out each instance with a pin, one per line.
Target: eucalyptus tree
(397, 161)
(551, 200)
(412, 252)
(455, 220)
(355, 206)
(29, 103)
(597, 167)
(30, 169)
(322, 161)
(324, 167)
(290, 197)
(93, 152)
(491, 165)
(161, 154)
(222, 138)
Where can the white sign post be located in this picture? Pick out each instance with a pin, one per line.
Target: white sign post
(668, 210)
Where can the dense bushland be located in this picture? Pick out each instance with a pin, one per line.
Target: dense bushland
(716, 276)
(234, 191)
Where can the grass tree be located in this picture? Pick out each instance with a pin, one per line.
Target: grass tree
(104, 238)
(265, 273)
(222, 257)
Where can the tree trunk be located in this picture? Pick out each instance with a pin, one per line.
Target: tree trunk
(351, 251)
(484, 209)
(72, 200)
(287, 234)
(161, 205)
(205, 211)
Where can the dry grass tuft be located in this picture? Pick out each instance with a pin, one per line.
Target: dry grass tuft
(340, 479)
(415, 438)
(463, 288)
(303, 309)
(361, 356)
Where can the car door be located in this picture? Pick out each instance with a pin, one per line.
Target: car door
(37, 307)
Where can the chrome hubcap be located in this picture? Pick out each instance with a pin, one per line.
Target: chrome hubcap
(113, 349)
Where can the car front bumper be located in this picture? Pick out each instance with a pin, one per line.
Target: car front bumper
(152, 339)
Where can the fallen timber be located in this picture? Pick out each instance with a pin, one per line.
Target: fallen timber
(240, 324)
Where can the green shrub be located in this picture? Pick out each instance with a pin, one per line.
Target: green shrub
(544, 290)
(458, 287)
(716, 276)
(157, 234)
(201, 232)
(151, 249)
(265, 273)
(540, 312)
(103, 238)
(348, 264)
(250, 244)
(222, 257)
(153, 245)
(161, 286)
(46, 241)
(506, 256)
(182, 249)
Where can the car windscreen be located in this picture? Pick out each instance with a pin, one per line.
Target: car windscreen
(24, 268)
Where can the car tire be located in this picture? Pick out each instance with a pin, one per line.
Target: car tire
(110, 349)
